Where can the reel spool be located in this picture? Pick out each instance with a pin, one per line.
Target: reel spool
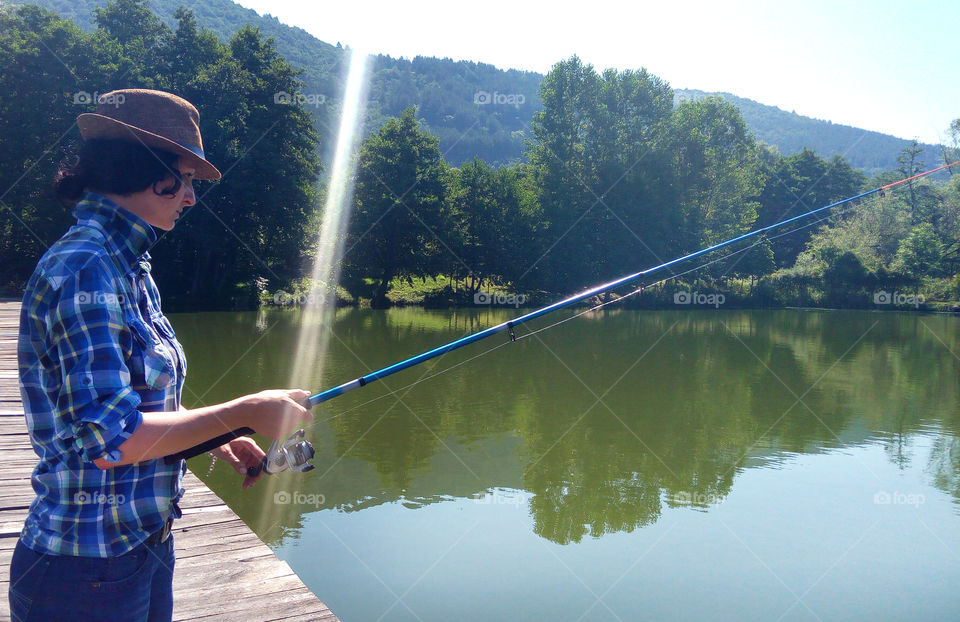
(294, 455)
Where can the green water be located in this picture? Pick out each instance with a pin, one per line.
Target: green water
(628, 465)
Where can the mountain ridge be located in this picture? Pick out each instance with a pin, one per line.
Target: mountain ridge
(457, 100)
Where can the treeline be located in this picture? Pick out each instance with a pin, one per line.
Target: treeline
(616, 178)
(444, 92)
(790, 132)
(619, 179)
(252, 227)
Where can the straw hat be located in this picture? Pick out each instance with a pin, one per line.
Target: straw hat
(153, 118)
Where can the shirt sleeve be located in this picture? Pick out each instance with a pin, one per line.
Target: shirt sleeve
(96, 405)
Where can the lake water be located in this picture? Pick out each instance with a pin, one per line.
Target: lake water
(626, 465)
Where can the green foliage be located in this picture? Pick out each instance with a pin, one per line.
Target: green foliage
(492, 232)
(718, 172)
(244, 228)
(799, 183)
(399, 201)
(132, 23)
(444, 93)
(618, 176)
(790, 133)
(919, 254)
(45, 62)
(599, 162)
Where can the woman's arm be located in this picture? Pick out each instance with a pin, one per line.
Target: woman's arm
(273, 413)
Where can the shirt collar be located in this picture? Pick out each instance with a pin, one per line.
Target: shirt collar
(128, 235)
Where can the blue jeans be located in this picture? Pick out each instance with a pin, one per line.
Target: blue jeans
(134, 587)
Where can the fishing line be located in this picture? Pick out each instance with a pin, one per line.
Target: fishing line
(393, 392)
(694, 269)
(285, 454)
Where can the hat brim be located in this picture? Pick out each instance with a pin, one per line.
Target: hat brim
(94, 125)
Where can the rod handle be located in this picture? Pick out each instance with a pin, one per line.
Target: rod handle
(206, 446)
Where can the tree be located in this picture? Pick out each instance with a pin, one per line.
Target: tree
(951, 151)
(717, 172)
(799, 183)
(599, 167)
(399, 198)
(251, 226)
(50, 71)
(910, 164)
(247, 227)
(845, 280)
(130, 20)
(919, 255)
(489, 223)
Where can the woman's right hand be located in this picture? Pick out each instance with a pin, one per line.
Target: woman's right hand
(276, 413)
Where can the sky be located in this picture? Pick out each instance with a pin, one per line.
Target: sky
(878, 65)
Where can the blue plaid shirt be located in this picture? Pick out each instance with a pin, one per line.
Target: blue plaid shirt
(95, 352)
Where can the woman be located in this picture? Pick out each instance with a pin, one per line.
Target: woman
(101, 374)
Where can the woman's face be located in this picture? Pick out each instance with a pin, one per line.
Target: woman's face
(163, 210)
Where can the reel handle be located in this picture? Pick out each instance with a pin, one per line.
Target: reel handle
(256, 470)
(206, 446)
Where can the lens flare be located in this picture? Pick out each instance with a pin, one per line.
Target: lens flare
(317, 316)
(318, 313)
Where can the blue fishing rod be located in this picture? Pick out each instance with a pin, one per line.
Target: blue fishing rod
(295, 452)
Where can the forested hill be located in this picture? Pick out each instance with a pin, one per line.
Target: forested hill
(476, 109)
(494, 128)
(790, 132)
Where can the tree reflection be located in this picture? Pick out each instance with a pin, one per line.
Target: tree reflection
(607, 421)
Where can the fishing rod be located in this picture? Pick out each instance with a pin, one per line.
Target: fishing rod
(294, 453)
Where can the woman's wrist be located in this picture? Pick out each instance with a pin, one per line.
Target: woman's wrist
(237, 413)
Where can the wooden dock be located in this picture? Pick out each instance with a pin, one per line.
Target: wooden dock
(223, 570)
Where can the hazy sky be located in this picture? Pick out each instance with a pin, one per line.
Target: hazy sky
(880, 65)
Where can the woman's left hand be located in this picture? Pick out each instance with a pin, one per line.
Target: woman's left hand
(241, 453)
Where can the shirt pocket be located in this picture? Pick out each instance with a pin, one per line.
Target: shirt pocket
(163, 326)
(152, 361)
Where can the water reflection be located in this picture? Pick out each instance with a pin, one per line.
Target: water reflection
(604, 422)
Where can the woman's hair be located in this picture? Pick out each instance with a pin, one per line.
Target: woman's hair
(116, 167)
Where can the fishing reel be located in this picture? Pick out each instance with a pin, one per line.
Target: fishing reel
(294, 454)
